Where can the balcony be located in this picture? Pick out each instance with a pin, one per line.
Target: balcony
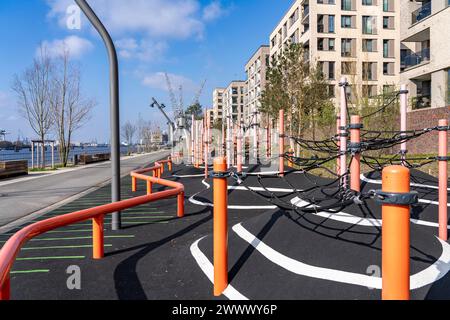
(305, 12)
(416, 58)
(421, 102)
(421, 13)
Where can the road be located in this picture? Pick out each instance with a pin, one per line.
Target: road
(32, 195)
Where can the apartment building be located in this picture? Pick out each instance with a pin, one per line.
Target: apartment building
(218, 103)
(233, 100)
(425, 52)
(255, 69)
(356, 39)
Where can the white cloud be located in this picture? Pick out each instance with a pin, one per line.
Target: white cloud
(76, 46)
(159, 18)
(157, 80)
(144, 50)
(213, 11)
(4, 100)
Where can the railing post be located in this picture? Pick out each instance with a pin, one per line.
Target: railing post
(343, 132)
(239, 150)
(403, 116)
(355, 140)
(149, 187)
(133, 184)
(443, 178)
(180, 202)
(395, 236)
(338, 131)
(281, 142)
(220, 201)
(5, 290)
(98, 237)
(170, 165)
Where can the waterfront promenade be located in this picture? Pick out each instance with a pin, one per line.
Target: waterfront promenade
(23, 198)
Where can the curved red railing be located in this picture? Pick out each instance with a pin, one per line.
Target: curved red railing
(12, 247)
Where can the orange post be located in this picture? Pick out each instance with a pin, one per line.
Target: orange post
(239, 151)
(149, 187)
(443, 177)
(98, 237)
(395, 237)
(180, 201)
(355, 167)
(291, 154)
(220, 198)
(170, 165)
(5, 290)
(133, 184)
(338, 131)
(281, 142)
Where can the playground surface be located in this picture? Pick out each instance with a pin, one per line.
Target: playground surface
(275, 252)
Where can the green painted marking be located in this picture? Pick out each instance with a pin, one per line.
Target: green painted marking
(62, 247)
(51, 258)
(30, 271)
(81, 238)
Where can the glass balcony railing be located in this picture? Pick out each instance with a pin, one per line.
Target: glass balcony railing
(421, 13)
(305, 12)
(416, 58)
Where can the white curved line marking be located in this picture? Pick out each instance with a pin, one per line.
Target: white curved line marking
(351, 219)
(363, 178)
(427, 276)
(189, 176)
(208, 269)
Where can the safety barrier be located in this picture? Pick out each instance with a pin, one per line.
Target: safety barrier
(12, 247)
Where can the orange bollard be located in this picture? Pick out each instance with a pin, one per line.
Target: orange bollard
(355, 140)
(220, 201)
(5, 290)
(170, 165)
(281, 142)
(395, 237)
(239, 151)
(291, 153)
(133, 184)
(443, 178)
(98, 237)
(180, 202)
(149, 187)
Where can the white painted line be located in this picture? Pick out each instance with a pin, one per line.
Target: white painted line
(425, 277)
(412, 184)
(189, 176)
(352, 219)
(208, 269)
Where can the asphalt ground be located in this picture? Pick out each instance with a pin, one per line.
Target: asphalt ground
(273, 253)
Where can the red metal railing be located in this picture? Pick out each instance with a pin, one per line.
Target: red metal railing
(12, 247)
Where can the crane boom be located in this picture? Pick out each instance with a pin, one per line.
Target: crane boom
(161, 108)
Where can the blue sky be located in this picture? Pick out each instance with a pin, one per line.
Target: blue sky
(192, 40)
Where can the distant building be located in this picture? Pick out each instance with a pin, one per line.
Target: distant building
(233, 98)
(255, 69)
(218, 103)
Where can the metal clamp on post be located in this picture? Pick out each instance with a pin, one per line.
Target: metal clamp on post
(354, 147)
(355, 126)
(444, 158)
(443, 128)
(401, 199)
(220, 175)
(403, 92)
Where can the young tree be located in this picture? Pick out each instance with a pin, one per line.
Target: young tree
(128, 132)
(70, 109)
(32, 89)
(297, 86)
(196, 109)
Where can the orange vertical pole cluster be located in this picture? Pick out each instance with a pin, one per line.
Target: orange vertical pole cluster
(355, 167)
(98, 237)
(220, 198)
(180, 202)
(395, 237)
(5, 290)
(443, 178)
(281, 142)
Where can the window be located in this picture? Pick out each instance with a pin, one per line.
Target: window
(346, 5)
(331, 24)
(369, 45)
(367, 2)
(346, 22)
(388, 48)
(388, 23)
(331, 70)
(331, 44)
(369, 25)
(330, 91)
(369, 91)
(347, 47)
(327, 1)
(348, 67)
(325, 44)
(388, 5)
(320, 42)
(388, 68)
(369, 71)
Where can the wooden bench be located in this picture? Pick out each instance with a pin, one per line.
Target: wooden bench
(92, 158)
(13, 168)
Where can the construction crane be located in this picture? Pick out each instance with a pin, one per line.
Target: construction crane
(3, 134)
(170, 123)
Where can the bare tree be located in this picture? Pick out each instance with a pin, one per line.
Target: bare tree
(70, 109)
(128, 132)
(32, 89)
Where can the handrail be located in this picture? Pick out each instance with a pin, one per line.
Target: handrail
(12, 247)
